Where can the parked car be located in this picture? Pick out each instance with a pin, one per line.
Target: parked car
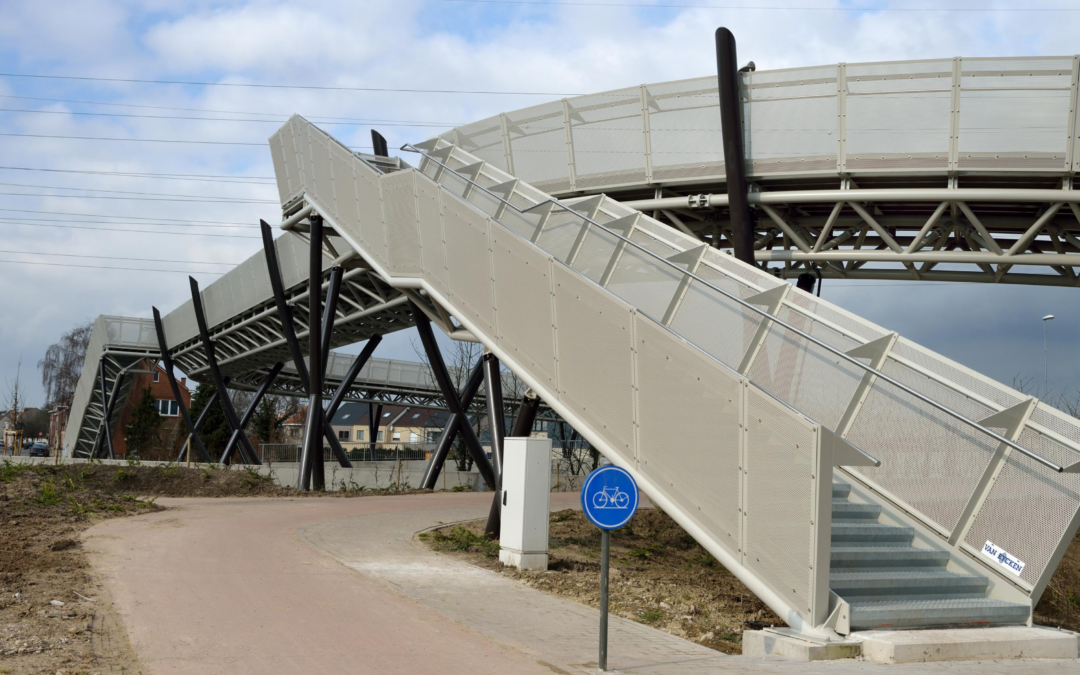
(39, 449)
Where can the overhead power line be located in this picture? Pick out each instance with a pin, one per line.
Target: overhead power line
(311, 118)
(253, 85)
(158, 140)
(98, 215)
(109, 257)
(219, 119)
(106, 267)
(142, 199)
(116, 229)
(569, 3)
(163, 176)
(138, 222)
(132, 192)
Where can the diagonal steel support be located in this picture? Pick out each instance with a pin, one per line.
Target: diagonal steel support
(198, 425)
(374, 419)
(496, 432)
(287, 328)
(219, 382)
(167, 364)
(263, 388)
(453, 403)
(107, 401)
(450, 431)
(343, 390)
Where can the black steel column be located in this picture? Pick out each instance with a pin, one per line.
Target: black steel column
(263, 388)
(374, 419)
(211, 361)
(530, 406)
(287, 329)
(379, 144)
(198, 425)
(312, 461)
(727, 68)
(167, 364)
(496, 432)
(453, 403)
(450, 431)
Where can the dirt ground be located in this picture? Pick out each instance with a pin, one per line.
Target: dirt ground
(661, 577)
(54, 617)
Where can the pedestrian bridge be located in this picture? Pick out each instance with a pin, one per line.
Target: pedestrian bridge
(851, 478)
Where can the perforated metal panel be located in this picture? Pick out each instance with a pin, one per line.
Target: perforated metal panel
(929, 460)
(715, 324)
(433, 249)
(1030, 509)
(779, 486)
(644, 282)
(399, 214)
(348, 214)
(595, 253)
(523, 304)
(369, 196)
(695, 459)
(594, 349)
(468, 262)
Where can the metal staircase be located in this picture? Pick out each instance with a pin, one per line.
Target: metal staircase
(623, 324)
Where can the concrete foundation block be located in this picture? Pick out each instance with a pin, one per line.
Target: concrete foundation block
(965, 644)
(765, 643)
(523, 561)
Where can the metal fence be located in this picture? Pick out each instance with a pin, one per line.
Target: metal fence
(984, 114)
(357, 452)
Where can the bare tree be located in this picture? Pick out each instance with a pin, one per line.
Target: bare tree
(62, 365)
(13, 402)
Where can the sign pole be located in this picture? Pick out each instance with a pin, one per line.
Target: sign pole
(605, 550)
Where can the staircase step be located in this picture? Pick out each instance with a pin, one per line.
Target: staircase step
(925, 613)
(886, 557)
(842, 510)
(849, 585)
(871, 533)
(840, 490)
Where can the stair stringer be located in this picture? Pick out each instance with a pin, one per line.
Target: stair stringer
(809, 619)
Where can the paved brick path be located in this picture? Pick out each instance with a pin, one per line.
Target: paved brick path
(341, 585)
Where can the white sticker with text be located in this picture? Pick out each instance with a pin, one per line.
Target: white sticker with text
(1003, 558)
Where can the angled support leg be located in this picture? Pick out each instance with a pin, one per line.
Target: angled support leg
(198, 425)
(450, 431)
(219, 382)
(167, 364)
(107, 401)
(453, 403)
(497, 432)
(343, 390)
(263, 388)
(287, 328)
(530, 406)
(374, 419)
(312, 469)
(327, 334)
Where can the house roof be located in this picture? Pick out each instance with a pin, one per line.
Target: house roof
(298, 419)
(356, 414)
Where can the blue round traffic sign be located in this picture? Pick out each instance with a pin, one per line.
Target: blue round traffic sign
(609, 497)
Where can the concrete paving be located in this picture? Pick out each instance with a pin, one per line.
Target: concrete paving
(342, 585)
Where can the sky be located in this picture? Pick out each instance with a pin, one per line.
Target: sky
(114, 249)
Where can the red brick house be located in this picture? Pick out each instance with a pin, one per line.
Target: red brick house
(173, 430)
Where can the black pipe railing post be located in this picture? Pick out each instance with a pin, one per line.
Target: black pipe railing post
(263, 388)
(450, 431)
(167, 365)
(731, 128)
(215, 372)
(496, 432)
(453, 403)
(312, 460)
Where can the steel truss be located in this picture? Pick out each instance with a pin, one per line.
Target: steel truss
(966, 234)
(113, 383)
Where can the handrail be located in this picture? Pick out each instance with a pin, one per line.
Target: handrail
(408, 147)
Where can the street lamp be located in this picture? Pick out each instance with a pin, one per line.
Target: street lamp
(1046, 369)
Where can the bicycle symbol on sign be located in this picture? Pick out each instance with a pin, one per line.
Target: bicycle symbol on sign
(611, 498)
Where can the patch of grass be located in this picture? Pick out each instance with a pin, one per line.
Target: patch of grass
(253, 477)
(560, 516)
(463, 539)
(134, 462)
(78, 509)
(351, 486)
(9, 471)
(47, 494)
(207, 472)
(646, 552)
(122, 475)
(169, 471)
(461, 488)
(650, 615)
